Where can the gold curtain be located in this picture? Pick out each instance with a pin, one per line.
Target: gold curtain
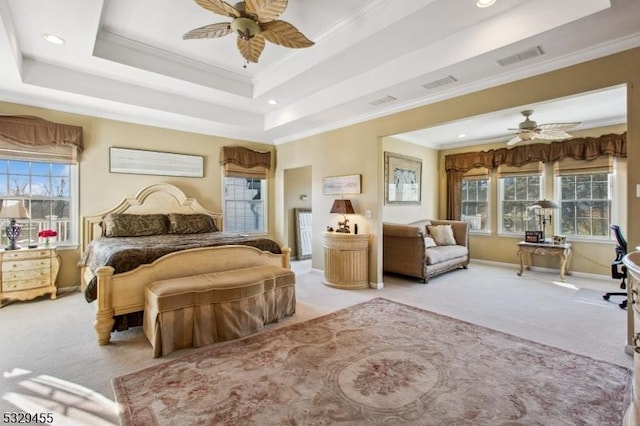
(239, 161)
(579, 148)
(30, 134)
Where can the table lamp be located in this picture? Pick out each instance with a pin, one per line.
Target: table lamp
(12, 210)
(542, 206)
(343, 207)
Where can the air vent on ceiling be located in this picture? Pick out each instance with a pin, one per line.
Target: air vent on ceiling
(438, 83)
(522, 56)
(383, 100)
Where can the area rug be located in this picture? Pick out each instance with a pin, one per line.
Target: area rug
(377, 363)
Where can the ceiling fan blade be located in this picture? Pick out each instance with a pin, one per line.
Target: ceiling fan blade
(220, 29)
(251, 49)
(553, 134)
(265, 10)
(284, 34)
(559, 126)
(220, 7)
(514, 140)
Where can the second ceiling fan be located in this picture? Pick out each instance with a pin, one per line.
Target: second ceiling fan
(529, 130)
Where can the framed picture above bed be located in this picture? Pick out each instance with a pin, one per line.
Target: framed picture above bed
(402, 179)
(143, 162)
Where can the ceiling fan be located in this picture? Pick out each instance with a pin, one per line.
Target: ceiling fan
(529, 130)
(254, 21)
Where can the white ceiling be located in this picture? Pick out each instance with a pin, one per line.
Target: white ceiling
(126, 60)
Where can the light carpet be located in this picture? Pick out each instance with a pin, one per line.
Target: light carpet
(377, 362)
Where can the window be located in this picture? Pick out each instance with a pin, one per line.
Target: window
(475, 199)
(519, 188)
(244, 205)
(48, 193)
(585, 197)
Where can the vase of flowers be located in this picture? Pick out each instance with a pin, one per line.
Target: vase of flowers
(46, 234)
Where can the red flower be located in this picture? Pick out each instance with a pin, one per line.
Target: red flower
(46, 233)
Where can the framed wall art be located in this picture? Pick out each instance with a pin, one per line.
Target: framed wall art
(142, 162)
(402, 179)
(350, 184)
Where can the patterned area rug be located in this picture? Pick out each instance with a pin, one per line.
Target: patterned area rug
(377, 363)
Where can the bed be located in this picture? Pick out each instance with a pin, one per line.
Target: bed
(117, 287)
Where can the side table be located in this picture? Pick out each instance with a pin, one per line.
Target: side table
(346, 260)
(545, 249)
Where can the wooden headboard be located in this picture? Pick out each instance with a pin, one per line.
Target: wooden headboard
(157, 198)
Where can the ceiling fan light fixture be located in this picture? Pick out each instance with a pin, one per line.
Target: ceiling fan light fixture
(484, 3)
(245, 28)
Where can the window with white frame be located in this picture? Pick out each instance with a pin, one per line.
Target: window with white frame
(585, 197)
(48, 191)
(475, 199)
(244, 204)
(518, 189)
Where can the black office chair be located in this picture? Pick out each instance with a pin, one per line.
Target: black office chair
(618, 270)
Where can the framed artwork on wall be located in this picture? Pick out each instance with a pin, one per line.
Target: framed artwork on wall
(402, 179)
(341, 185)
(143, 162)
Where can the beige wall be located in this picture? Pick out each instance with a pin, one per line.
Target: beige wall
(101, 190)
(354, 148)
(297, 182)
(428, 208)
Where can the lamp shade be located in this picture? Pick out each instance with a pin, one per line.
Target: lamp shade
(342, 207)
(13, 209)
(546, 204)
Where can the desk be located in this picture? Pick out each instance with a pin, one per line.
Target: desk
(545, 249)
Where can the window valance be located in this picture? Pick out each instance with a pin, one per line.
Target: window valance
(579, 149)
(239, 161)
(35, 131)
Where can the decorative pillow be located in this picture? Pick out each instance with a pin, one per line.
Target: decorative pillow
(429, 242)
(442, 235)
(134, 225)
(191, 223)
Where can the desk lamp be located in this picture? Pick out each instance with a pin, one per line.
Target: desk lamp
(542, 206)
(343, 207)
(12, 210)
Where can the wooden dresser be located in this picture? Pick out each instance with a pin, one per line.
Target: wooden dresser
(28, 273)
(346, 260)
(632, 262)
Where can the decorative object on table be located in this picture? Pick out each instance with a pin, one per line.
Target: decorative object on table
(350, 184)
(343, 207)
(559, 239)
(541, 207)
(254, 22)
(533, 236)
(13, 210)
(378, 362)
(46, 234)
(402, 179)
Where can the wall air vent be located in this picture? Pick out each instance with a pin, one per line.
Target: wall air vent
(383, 100)
(522, 56)
(439, 83)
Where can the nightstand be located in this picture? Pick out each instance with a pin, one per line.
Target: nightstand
(346, 260)
(28, 273)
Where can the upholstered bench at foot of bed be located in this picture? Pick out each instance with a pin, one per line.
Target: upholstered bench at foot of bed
(198, 310)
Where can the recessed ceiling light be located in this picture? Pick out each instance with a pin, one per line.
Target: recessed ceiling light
(462, 135)
(272, 102)
(52, 38)
(485, 3)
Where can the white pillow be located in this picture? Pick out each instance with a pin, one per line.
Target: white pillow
(429, 242)
(442, 235)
